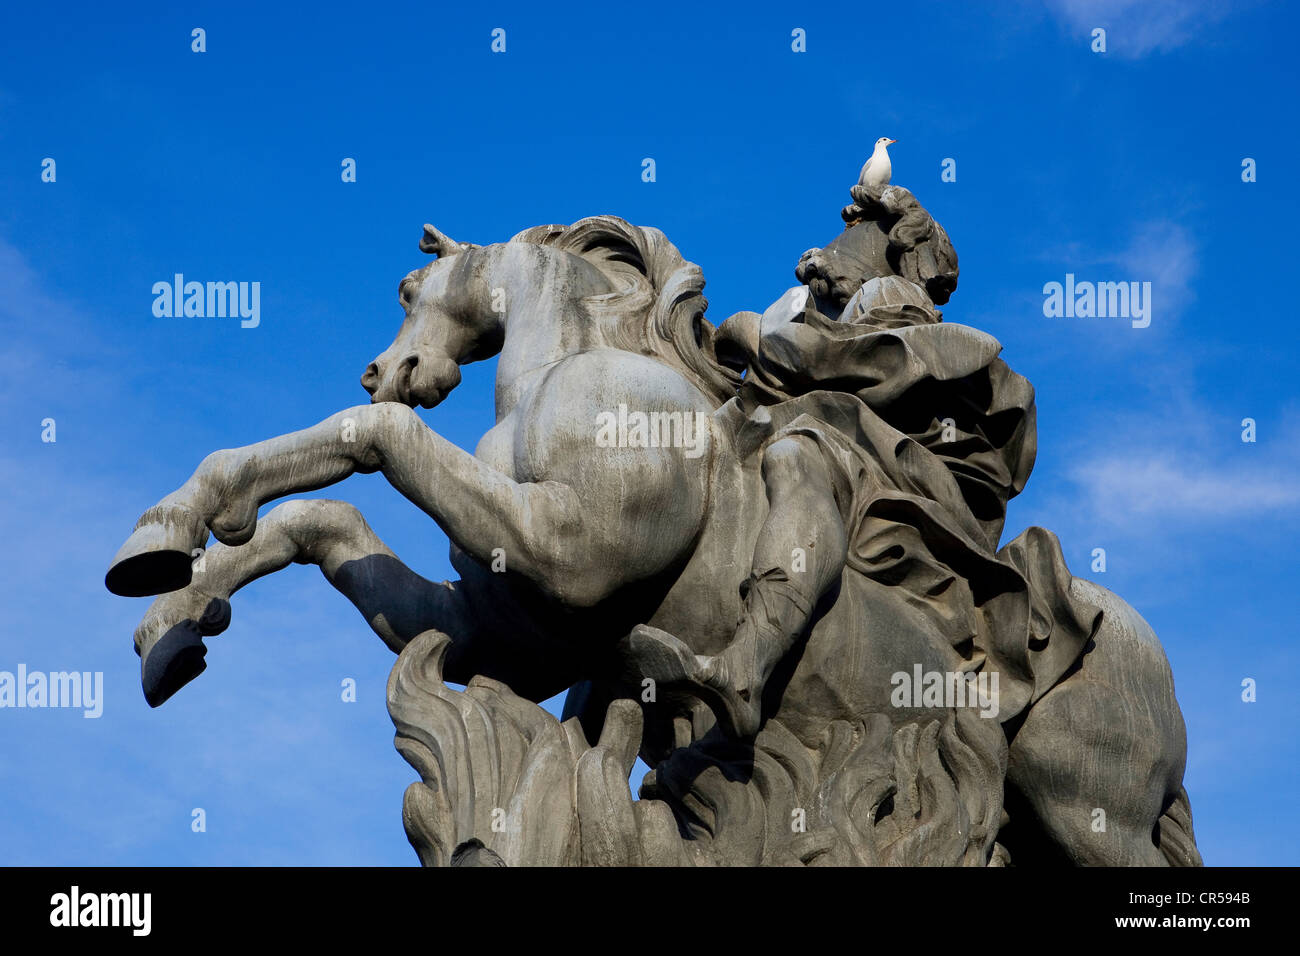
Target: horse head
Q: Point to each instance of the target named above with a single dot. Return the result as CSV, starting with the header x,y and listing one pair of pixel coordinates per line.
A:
x,y
448,323
599,283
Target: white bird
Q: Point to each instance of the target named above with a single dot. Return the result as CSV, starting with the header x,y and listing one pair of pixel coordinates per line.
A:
x,y
877,170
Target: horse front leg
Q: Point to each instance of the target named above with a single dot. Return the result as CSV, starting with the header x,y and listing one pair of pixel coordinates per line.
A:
x,y
397,603
224,494
539,525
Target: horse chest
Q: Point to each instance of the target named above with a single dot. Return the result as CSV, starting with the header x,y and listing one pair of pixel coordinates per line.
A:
x,y
497,447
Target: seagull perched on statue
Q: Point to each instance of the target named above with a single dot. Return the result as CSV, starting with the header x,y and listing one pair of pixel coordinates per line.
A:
x,y
876,172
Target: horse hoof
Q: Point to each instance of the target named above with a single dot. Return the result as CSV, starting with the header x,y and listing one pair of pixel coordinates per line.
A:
x,y
172,663
157,557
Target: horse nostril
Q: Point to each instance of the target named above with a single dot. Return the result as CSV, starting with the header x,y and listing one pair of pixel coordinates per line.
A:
x,y
402,377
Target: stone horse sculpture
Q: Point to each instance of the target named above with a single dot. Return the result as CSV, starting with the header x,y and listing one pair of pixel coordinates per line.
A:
x,y
762,557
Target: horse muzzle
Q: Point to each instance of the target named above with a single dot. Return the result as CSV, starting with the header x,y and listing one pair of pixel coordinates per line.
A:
x,y
412,381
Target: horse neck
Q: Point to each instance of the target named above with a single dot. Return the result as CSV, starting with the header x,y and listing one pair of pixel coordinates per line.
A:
x,y
544,321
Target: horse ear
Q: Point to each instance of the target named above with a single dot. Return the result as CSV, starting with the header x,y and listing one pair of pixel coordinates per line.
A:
x,y
436,243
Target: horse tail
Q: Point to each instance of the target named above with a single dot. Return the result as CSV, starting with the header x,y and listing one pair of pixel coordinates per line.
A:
x,y
1174,833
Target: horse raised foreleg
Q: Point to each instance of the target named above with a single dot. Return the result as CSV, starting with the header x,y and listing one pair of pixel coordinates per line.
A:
x,y
539,525
396,602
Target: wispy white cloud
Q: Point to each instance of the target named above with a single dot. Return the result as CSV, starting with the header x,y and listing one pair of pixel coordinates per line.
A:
x,y
1135,28
1168,484
1160,251
1184,462
50,347
1164,254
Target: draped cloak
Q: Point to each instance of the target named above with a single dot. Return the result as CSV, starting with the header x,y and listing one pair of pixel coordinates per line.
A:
x,y
927,433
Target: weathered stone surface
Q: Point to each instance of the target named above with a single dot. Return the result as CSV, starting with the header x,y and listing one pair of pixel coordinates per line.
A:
x,y
764,557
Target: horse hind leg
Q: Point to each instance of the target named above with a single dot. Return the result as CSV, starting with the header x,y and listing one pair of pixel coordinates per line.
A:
x,y
1095,771
396,602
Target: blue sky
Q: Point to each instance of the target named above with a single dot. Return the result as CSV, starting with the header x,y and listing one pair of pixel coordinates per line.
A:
x,y
225,165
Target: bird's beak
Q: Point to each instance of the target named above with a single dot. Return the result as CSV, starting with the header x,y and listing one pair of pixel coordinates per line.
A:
x,y
892,142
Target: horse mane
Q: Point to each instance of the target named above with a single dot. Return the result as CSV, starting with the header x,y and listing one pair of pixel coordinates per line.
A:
x,y
658,305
